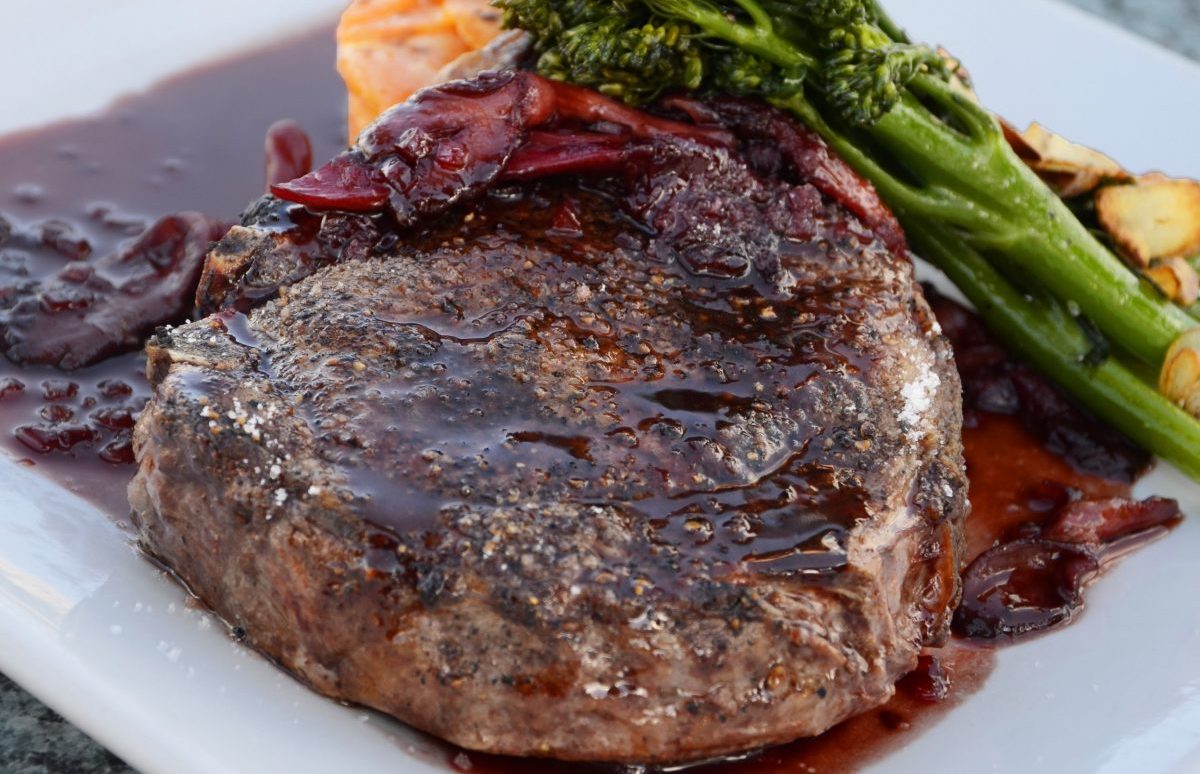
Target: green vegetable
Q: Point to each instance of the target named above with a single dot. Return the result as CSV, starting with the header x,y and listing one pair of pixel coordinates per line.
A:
x,y
894,111
1045,333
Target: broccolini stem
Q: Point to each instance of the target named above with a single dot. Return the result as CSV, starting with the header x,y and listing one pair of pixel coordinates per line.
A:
x,y
1044,333
976,184
1024,228
884,22
756,38
761,19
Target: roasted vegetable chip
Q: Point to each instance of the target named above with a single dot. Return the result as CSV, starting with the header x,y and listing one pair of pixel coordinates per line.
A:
x,y
1155,218
1176,279
1069,168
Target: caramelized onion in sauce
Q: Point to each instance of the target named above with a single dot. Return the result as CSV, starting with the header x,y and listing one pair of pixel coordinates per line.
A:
x,y
1050,491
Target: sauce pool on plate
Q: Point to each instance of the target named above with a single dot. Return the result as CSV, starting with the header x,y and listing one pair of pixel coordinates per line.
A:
x,y
77,191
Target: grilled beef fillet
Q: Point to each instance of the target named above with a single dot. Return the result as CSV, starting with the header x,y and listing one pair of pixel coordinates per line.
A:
x,y
654,468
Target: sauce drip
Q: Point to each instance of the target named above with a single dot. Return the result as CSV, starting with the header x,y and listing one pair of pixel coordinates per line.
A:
x,y
944,679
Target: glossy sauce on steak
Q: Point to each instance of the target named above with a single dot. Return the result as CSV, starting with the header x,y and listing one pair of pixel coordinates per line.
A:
x,y
656,469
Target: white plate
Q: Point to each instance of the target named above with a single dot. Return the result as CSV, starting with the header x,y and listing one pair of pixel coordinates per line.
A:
x,y
104,638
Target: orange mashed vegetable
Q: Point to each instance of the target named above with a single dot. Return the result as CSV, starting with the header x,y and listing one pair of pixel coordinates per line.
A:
x,y
388,49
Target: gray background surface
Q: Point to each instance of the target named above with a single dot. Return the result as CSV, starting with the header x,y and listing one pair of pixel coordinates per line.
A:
x,y
34,740
1173,23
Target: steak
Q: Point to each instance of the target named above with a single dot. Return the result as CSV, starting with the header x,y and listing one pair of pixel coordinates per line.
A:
x,y
655,466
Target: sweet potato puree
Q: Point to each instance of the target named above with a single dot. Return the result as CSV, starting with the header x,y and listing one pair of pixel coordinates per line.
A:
x,y
388,49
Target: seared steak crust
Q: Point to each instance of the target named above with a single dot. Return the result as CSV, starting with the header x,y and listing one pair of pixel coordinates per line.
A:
x,y
536,479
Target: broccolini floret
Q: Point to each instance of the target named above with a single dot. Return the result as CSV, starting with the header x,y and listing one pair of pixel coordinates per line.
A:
x,y
635,50
605,55
613,47
864,78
